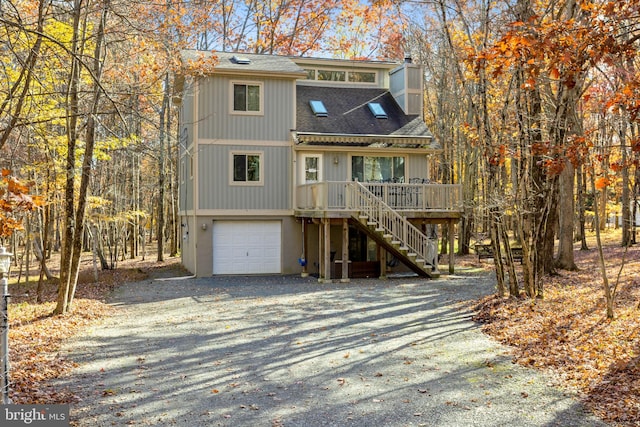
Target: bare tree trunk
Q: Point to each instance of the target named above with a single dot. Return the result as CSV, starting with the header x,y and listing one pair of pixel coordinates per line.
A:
x,y
626,194
581,181
90,138
608,295
66,274
494,214
38,247
74,216
565,259
161,172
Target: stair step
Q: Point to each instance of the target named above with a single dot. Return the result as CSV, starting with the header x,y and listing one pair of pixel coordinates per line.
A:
x,y
412,255
433,274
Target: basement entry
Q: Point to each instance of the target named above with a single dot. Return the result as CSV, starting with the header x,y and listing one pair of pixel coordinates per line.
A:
x,y
246,247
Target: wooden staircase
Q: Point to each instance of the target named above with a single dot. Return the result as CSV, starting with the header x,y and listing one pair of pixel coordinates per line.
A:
x,y
393,231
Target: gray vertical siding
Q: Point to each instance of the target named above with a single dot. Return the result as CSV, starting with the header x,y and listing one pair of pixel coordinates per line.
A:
x,y
185,150
217,122
339,172
216,193
414,78
417,167
397,81
186,185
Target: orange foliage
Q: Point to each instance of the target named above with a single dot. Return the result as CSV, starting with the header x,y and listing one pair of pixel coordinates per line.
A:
x,y
14,199
602,183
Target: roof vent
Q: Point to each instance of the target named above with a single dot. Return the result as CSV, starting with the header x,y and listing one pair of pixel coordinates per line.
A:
x,y
377,110
318,108
243,60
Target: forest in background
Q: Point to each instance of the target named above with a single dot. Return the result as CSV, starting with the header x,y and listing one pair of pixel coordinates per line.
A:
x,y
536,103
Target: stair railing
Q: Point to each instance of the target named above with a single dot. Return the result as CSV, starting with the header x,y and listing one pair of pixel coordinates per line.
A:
x,y
361,201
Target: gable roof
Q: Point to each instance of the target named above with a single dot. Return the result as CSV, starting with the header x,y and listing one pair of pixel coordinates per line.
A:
x,y
350,121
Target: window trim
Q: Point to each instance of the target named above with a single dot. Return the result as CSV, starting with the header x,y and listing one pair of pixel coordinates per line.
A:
x,y
232,181
232,109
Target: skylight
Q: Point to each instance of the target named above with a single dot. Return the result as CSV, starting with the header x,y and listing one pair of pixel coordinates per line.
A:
x,y
243,60
377,110
318,108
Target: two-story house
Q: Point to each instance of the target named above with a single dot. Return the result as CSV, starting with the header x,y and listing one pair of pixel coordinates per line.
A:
x,y
293,165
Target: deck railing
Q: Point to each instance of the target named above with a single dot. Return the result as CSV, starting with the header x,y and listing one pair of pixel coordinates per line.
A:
x,y
332,195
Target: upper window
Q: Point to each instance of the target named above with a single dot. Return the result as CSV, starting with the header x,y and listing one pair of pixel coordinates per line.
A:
x,y
247,168
328,75
247,97
331,75
362,77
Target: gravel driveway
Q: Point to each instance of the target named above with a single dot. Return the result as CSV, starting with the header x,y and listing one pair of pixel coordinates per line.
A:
x,y
288,351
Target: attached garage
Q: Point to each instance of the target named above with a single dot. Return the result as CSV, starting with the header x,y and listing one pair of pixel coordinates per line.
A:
x,y
247,247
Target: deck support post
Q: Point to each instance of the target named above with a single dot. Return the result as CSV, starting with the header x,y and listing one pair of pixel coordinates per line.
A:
x,y
326,264
305,254
320,251
345,251
382,256
451,225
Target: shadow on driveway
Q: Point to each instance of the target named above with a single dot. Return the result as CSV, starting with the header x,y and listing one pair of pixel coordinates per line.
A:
x,y
287,351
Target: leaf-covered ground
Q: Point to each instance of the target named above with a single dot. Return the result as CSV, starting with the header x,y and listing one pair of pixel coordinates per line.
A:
x,y
35,335
566,333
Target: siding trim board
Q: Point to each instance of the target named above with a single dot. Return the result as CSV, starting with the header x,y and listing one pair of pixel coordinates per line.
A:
x,y
245,212
233,142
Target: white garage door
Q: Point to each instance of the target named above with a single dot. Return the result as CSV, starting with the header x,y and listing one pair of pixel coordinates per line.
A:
x,y
246,247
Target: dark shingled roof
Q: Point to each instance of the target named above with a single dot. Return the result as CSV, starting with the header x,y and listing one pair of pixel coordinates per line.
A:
x,y
349,114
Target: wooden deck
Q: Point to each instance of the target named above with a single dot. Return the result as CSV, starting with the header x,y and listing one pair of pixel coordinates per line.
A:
x,y
394,207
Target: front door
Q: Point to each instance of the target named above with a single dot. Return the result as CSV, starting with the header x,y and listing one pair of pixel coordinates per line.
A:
x,y
310,168
311,173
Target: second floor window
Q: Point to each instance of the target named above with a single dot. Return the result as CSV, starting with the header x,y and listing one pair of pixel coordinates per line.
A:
x,y
246,97
246,168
